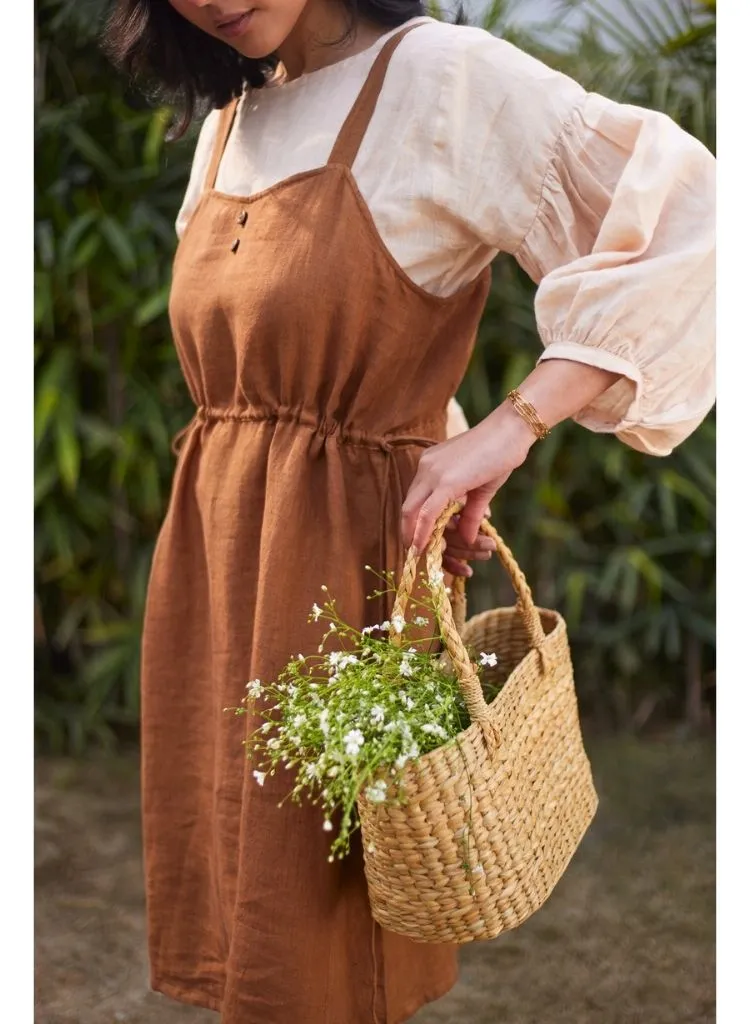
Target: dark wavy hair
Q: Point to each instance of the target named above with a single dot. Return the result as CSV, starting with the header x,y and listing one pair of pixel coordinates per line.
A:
x,y
150,41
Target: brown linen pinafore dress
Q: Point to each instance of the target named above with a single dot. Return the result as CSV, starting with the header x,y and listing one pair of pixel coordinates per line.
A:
x,y
320,372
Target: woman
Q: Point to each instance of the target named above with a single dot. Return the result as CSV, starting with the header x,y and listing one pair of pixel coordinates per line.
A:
x,y
344,207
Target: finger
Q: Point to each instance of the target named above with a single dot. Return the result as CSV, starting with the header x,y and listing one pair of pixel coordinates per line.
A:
x,y
457,546
471,554
456,567
454,538
428,516
472,515
419,492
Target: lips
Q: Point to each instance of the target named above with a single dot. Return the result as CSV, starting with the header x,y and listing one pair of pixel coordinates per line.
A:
x,y
235,25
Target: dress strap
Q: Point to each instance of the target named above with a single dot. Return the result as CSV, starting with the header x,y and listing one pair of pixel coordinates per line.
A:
x,y
226,120
350,137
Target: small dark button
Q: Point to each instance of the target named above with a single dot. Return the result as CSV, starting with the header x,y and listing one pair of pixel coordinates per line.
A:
x,y
242,218
235,245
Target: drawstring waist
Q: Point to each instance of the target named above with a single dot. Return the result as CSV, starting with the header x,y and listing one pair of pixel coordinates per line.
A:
x,y
329,428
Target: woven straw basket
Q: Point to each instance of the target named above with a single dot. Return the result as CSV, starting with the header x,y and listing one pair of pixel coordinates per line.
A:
x,y
487,825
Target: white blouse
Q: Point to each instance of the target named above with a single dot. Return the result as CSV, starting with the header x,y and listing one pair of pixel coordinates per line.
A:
x,y
476,148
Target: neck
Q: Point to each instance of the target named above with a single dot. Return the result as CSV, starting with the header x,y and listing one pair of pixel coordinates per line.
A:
x,y
314,43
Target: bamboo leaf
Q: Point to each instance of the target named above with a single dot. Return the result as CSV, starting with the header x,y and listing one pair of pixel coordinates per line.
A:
x,y
91,151
51,386
119,242
67,447
73,235
154,306
153,142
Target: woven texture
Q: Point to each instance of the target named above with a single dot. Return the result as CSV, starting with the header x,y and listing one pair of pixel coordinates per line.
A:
x,y
488,824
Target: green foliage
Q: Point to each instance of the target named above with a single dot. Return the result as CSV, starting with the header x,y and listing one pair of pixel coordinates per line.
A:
x,y
108,388
659,54
621,543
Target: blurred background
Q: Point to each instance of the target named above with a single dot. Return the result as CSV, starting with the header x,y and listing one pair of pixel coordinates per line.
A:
x,y
622,544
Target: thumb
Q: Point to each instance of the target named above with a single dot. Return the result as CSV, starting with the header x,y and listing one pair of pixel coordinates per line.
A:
x,y
472,514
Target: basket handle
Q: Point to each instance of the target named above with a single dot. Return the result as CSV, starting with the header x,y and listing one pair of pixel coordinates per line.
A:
x,y
468,680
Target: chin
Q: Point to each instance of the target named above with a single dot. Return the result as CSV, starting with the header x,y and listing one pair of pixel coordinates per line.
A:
x,y
256,48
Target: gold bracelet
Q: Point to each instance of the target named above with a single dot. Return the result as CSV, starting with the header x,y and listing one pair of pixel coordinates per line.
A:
x,y
528,414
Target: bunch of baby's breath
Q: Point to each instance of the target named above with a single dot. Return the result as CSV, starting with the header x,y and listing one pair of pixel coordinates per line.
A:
x,y
361,707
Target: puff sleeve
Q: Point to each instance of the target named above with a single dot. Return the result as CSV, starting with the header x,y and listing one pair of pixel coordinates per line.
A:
x,y
622,248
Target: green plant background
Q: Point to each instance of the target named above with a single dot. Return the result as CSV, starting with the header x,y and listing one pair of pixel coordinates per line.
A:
x,y
621,543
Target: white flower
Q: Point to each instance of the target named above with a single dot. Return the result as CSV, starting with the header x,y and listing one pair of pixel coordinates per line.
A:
x,y
298,721
367,630
327,826
300,657
405,668
408,704
377,713
323,721
255,688
412,750
334,658
421,621
385,625
401,761
376,793
398,622
435,730
316,612
348,659
436,577
488,659
260,777
353,742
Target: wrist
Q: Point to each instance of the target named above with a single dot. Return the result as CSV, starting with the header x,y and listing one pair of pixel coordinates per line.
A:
x,y
512,428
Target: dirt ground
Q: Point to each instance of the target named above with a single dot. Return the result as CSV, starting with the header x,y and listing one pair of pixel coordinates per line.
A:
x,y
626,938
